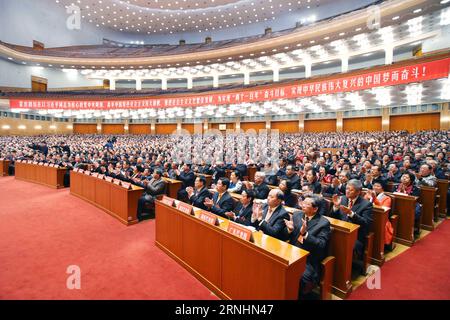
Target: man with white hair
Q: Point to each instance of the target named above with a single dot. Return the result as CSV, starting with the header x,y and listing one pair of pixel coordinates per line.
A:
x,y
259,186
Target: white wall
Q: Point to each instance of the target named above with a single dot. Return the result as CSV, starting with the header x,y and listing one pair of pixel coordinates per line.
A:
x,y
13,75
26,20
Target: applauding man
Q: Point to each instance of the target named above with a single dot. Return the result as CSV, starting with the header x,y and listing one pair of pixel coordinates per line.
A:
x,y
222,201
198,195
308,230
355,209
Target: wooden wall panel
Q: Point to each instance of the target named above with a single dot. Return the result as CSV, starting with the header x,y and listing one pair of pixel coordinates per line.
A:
x,y
415,122
191,127
139,128
165,128
108,128
362,124
85,128
253,125
327,125
285,126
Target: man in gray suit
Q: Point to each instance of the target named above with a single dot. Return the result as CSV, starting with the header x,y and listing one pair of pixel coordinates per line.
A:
x,y
153,188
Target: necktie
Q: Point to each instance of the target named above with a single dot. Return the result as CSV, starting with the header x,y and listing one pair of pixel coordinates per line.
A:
x,y
269,214
218,198
350,203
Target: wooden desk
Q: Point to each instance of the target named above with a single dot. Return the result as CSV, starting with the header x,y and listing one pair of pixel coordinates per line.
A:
x,y
378,227
232,268
404,206
172,187
428,200
48,176
208,178
4,165
111,198
343,238
442,190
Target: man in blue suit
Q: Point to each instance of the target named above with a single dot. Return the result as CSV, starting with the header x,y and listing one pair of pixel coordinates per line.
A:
x,y
222,202
310,231
270,218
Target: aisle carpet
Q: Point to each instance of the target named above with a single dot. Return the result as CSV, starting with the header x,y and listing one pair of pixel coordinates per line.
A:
x,y
44,231
421,272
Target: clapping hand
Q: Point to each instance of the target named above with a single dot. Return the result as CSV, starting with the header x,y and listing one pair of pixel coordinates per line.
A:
x,y
345,209
336,200
230,215
190,191
289,224
208,202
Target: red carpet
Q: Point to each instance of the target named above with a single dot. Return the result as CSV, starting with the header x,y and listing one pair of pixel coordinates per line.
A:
x,y
43,231
422,272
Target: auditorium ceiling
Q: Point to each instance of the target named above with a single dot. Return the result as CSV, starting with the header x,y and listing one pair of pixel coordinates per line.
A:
x,y
168,16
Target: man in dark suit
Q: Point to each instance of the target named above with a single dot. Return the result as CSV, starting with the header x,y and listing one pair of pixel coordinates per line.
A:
x,y
292,177
222,201
309,230
243,212
199,193
259,186
187,177
153,188
219,171
338,186
270,218
355,209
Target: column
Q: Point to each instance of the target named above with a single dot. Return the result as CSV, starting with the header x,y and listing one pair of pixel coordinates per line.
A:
x,y
385,118
445,116
152,127
70,125
99,126
246,77
215,80
163,83
237,122
339,121
178,124
344,64
389,55
112,84
126,127
138,84
268,124
308,67
276,74
189,82
301,122
205,124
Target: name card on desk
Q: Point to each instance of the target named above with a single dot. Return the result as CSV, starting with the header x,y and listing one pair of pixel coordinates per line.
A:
x,y
35,162
1,159
94,174
75,169
167,200
41,163
240,231
46,164
185,208
29,161
100,176
116,181
88,173
51,165
210,218
109,179
126,185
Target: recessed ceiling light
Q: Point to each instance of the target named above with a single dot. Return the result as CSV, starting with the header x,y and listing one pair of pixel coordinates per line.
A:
x,y
417,10
395,18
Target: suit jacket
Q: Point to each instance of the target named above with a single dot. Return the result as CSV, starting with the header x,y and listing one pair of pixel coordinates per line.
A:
x,y
155,187
218,172
271,180
316,242
275,226
330,191
198,198
243,214
188,179
225,204
294,180
261,191
363,215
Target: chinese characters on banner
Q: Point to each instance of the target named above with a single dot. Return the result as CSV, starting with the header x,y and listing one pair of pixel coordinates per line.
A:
x,y
367,80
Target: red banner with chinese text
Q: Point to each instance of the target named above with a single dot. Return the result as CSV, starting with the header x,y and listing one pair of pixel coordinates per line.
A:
x,y
388,77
